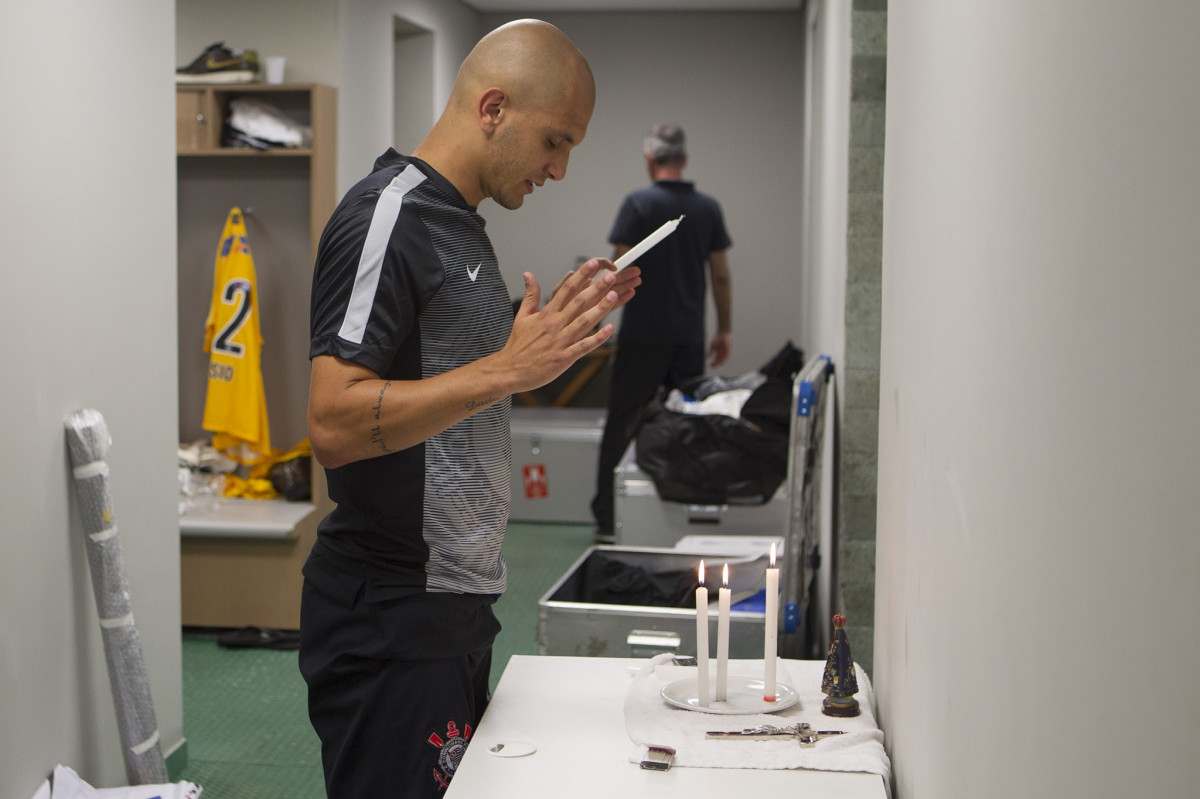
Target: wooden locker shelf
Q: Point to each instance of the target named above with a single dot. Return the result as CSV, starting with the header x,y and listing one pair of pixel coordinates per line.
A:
x,y
250,576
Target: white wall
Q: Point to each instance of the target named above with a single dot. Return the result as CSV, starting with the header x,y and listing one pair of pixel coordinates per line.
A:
x,y
366,35
302,31
826,97
413,105
825,143
733,81
87,217
1038,545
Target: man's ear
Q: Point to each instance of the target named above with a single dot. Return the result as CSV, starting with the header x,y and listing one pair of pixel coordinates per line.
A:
x,y
493,104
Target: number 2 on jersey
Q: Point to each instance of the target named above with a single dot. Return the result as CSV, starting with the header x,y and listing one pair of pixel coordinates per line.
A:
x,y
236,293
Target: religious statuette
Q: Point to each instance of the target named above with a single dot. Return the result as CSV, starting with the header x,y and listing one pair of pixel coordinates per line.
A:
x,y
839,682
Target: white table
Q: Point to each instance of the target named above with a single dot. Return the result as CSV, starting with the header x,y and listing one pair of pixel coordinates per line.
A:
x,y
572,710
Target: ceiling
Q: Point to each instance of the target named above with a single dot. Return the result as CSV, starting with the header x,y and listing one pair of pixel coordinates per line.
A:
x,y
635,5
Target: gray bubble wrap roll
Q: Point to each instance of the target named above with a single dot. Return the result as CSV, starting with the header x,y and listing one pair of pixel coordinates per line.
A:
x,y
88,441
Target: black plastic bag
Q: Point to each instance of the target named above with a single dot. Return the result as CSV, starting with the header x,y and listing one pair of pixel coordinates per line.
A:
x,y
715,459
610,580
290,478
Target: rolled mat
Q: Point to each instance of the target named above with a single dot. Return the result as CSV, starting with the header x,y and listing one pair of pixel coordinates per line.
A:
x,y
88,441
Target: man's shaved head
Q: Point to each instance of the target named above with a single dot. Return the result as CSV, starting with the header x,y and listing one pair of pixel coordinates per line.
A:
x,y
531,60
522,101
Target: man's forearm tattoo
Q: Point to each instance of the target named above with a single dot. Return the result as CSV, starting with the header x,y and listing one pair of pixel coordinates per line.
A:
x,y
377,430
474,405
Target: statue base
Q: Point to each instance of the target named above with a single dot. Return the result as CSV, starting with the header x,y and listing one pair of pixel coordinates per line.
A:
x,y
843,706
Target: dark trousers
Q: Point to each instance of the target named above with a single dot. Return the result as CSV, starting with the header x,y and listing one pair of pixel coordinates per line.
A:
x,y
639,370
390,727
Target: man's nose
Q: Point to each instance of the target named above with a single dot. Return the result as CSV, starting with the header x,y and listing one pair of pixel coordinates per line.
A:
x,y
556,169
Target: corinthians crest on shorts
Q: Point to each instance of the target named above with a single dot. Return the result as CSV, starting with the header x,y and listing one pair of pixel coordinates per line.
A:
x,y
450,752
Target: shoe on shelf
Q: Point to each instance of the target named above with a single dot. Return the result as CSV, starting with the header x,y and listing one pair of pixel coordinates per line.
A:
x,y
219,64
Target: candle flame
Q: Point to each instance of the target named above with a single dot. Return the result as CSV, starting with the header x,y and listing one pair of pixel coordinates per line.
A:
x,y
772,554
725,576
701,572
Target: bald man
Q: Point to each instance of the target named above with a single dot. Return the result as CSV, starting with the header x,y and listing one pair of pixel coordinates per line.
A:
x,y
415,355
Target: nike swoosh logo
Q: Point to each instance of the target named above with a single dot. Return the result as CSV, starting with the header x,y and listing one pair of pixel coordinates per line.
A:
x,y
213,63
474,273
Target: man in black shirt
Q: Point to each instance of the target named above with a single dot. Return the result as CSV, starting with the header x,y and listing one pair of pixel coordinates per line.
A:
x,y
661,340
415,355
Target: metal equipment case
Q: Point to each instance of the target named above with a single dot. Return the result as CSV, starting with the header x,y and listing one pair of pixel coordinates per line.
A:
x,y
570,624
555,451
642,518
796,513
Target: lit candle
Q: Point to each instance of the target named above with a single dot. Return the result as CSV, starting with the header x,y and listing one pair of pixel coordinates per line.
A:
x,y
771,633
702,640
654,238
723,636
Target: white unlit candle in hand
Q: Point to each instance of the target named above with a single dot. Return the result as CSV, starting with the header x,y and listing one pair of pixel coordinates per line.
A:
x,y
723,637
654,238
771,632
702,640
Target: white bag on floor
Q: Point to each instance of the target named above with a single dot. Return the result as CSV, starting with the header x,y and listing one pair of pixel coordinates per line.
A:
x,y
68,785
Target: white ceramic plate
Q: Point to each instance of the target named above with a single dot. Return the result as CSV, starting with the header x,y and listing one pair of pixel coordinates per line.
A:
x,y
743,695
512,749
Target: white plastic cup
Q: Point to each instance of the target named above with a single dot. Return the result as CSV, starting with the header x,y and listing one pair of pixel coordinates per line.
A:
x,y
275,65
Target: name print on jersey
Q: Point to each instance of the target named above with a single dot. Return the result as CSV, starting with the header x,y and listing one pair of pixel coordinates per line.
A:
x,y
221,371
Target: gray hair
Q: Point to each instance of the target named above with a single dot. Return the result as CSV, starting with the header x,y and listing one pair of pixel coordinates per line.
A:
x,y
665,144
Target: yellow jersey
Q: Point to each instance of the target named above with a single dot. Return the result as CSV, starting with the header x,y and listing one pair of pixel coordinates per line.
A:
x,y
235,408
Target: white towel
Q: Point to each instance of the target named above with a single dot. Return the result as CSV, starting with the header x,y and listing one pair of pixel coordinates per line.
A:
x,y
649,720
69,785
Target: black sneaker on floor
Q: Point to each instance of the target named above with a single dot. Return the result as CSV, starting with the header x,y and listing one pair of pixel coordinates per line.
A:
x,y
219,64
602,536
259,638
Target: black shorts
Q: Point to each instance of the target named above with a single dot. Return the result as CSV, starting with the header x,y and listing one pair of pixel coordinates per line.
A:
x,y
396,686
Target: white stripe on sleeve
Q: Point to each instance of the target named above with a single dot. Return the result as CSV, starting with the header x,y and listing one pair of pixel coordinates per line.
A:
x,y
366,279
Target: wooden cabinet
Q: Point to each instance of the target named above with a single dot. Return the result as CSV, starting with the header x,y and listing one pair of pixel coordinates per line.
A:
x,y
192,121
287,195
200,112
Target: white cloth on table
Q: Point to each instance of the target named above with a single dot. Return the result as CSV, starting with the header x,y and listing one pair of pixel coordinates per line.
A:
x,y
649,720
67,784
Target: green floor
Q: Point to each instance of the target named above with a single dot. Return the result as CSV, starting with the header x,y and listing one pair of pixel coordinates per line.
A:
x,y
244,715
